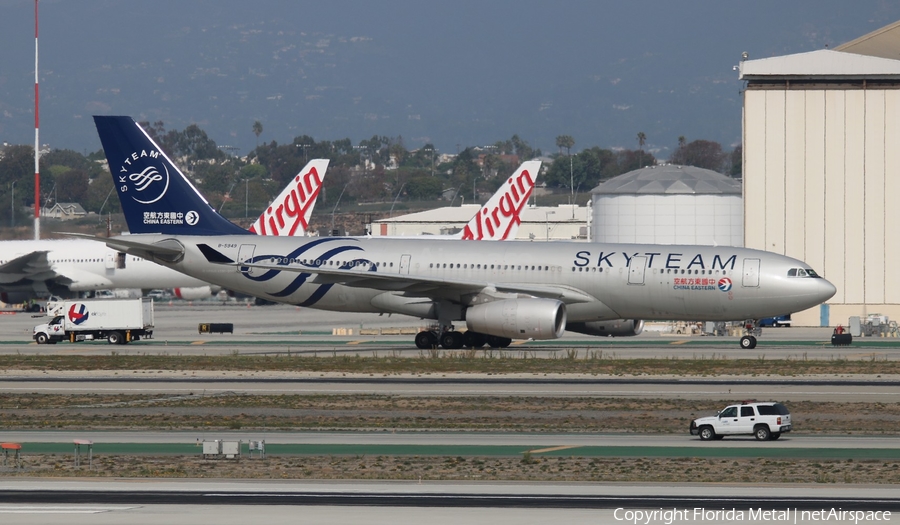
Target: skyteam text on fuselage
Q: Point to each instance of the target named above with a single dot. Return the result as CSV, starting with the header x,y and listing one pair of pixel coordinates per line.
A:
x,y
503,291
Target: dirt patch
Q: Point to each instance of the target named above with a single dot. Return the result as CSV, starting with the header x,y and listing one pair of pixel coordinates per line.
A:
x,y
376,412
427,468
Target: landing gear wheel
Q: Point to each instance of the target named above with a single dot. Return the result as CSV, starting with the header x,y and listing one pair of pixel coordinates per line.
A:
x,y
748,342
707,433
498,342
762,433
425,340
452,340
115,338
473,339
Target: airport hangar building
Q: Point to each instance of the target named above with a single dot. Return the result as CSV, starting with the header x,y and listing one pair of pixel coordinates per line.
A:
x,y
821,169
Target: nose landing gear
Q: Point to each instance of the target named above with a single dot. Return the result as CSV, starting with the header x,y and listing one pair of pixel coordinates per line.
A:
x,y
751,331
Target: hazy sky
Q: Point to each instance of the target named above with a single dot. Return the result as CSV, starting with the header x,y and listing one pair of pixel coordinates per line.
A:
x,y
456,72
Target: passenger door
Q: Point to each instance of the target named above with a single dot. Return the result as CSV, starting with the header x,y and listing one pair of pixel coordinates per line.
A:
x,y
404,264
746,420
245,253
751,273
728,421
636,270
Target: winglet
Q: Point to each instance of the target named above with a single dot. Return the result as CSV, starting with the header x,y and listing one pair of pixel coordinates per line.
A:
x,y
499,218
289,213
156,197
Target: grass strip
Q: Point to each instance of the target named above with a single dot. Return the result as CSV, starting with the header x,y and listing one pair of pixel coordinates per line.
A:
x,y
582,361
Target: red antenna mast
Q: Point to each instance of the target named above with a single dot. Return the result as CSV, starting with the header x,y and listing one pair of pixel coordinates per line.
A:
x,y
37,142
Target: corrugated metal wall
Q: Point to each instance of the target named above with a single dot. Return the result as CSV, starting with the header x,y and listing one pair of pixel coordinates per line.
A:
x,y
821,183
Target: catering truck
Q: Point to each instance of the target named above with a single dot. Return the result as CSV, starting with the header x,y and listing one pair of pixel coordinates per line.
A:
x,y
119,321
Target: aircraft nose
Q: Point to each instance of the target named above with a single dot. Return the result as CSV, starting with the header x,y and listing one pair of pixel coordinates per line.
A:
x,y
825,290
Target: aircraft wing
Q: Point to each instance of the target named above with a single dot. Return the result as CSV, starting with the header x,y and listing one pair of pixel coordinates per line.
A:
x,y
417,285
33,266
167,250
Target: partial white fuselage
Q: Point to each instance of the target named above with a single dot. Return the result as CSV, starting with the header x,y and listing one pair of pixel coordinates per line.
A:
x,y
46,267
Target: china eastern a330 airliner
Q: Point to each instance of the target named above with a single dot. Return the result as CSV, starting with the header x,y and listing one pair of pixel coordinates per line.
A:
x,y
500,290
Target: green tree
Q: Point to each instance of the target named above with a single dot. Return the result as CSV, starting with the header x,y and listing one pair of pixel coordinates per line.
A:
x,y
565,141
72,186
642,139
17,165
702,154
257,130
253,171
737,162
424,188
100,197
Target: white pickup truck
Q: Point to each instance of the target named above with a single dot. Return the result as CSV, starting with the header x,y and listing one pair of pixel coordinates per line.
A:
x,y
763,420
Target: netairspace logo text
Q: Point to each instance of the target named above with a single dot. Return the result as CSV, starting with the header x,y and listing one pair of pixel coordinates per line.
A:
x,y
787,515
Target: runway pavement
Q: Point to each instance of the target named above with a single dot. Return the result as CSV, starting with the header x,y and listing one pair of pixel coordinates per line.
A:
x,y
77,502
282,329
426,438
246,383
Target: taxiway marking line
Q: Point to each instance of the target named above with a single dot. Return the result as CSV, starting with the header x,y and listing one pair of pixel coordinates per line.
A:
x,y
553,449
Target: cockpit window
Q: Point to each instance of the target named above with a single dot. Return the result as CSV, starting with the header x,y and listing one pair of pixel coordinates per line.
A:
x,y
802,272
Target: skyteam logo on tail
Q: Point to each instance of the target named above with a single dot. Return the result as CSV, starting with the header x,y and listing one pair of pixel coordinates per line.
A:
x,y
78,313
144,183
156,197
145,178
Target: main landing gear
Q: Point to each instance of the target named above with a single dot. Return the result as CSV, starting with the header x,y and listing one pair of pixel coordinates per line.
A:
x,y
751,332
450,339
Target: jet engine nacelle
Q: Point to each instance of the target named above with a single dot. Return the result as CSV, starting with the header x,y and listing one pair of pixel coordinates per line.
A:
x,y
198,292
617,328
519,318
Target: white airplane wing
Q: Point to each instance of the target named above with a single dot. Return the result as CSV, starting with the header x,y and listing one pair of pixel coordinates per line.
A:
x,y
416,285
32,266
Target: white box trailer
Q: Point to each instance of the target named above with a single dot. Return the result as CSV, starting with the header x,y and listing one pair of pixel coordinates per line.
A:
x,y
119,321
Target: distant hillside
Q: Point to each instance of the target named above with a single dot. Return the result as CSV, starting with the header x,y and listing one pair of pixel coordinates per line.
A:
x,y
455,73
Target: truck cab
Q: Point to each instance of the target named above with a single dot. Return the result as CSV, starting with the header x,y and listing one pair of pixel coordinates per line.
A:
x,y
50,332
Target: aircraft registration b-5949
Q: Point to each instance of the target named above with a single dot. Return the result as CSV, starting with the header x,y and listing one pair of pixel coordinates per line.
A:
x,y
501,290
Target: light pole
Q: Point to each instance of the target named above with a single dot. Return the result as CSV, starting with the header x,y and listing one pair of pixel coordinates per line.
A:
x,y
547,215
12,206
395,199
432,159
336,205
571,180
305,153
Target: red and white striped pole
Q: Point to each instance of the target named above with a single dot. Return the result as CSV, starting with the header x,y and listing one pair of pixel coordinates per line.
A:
x,y
37,142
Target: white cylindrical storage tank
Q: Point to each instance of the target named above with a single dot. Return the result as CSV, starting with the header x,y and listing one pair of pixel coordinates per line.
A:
x,y
669,205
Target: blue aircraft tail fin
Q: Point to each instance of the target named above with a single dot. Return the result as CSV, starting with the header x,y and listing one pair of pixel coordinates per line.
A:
x,y
156,197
